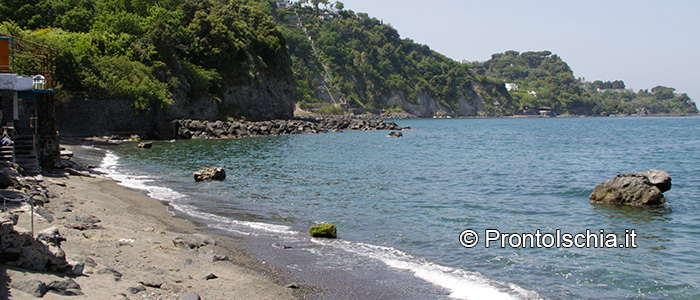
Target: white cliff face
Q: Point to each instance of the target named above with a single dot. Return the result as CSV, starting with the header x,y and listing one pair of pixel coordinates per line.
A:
x,y
480,100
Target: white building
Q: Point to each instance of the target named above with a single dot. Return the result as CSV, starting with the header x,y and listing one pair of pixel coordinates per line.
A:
x,y
284,4
511,86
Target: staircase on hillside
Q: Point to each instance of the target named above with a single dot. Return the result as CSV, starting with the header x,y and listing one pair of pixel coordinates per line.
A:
x,y
25,154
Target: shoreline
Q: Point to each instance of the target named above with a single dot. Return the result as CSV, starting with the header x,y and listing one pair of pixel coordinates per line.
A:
x,y
135,238
300,261
293,262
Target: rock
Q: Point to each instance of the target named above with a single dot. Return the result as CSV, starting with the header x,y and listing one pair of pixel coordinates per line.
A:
x,y
117,275
75,269
635,189
82,223
193,241
43,212
207,174
212,256
395,134
210,276
187,261
50,236
151,282
292,286
323,230
66,287
135,289
32,286
86,261
189,296
8,178
170,287
658,178
145,145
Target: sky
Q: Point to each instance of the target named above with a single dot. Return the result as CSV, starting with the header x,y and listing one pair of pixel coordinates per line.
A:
x,y
644,43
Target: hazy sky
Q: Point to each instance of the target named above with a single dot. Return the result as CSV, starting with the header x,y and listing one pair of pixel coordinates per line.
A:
x,y
644,43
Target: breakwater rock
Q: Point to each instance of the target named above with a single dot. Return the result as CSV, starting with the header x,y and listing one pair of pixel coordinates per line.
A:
x,y
196,129
636,189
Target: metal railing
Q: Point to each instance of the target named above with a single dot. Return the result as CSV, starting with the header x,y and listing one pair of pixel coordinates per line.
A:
x,y
29,58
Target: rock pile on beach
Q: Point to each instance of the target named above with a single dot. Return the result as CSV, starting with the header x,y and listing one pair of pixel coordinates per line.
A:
x,y
635,189
196,129
43,253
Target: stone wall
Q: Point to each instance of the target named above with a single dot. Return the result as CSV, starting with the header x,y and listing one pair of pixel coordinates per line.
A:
x,y
97,117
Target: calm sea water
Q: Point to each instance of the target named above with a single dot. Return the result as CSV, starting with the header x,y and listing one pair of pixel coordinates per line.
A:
x,y
404,201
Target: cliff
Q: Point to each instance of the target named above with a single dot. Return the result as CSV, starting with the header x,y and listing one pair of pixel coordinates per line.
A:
x,y
365,64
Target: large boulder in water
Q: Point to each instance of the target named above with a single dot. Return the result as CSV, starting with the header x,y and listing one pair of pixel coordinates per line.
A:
x,y
208,174
635,189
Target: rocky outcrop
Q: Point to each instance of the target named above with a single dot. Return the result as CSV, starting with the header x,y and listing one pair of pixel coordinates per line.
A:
x,y
395,134
41,254
481,98
196,129
208,174
635,189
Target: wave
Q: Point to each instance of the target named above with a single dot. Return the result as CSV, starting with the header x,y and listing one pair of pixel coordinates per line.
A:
x,y
461,284
111,168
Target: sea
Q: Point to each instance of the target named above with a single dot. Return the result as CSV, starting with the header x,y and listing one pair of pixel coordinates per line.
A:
x,y
450,211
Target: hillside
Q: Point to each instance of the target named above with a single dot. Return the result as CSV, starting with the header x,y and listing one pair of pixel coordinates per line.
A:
x,y
202,59
339,56
545,80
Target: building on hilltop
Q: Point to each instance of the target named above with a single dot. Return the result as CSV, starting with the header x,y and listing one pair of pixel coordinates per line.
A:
x,y
599,90
326,17
27,106
512,87
284,4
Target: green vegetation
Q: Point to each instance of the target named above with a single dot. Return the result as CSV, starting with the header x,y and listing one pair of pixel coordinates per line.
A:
x,y
145,50
330,109
556,87
367,62
149,52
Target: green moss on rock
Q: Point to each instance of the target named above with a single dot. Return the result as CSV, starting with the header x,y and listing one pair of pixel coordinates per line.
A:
x,y
323,230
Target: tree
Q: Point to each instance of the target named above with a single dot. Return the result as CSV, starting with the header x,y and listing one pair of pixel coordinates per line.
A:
x,y
339,5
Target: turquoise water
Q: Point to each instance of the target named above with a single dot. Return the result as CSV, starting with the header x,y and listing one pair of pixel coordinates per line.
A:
x,y
404,201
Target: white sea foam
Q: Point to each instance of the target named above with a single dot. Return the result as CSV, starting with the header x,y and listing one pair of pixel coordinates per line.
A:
x,y
234,225
462,284
110,166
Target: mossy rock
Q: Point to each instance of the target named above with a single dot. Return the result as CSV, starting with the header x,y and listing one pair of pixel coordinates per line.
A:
x,y
323,230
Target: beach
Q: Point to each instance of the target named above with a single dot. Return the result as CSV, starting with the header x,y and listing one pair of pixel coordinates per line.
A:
x,y
129,253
